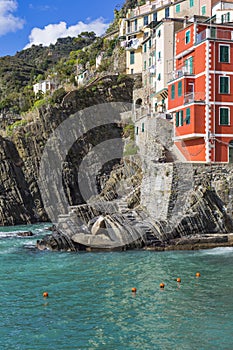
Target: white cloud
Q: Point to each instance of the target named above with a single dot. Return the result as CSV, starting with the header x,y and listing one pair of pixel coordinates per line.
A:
x,y
8,22
50,33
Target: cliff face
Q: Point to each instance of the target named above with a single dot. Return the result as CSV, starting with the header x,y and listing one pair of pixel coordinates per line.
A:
x,y
20,199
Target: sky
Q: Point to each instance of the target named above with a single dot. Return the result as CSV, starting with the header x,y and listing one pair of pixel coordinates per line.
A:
x,y
27,22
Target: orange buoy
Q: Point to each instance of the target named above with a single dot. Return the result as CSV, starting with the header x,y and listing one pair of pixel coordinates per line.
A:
x,y
178,280
198,274
45,294
162,285
134,290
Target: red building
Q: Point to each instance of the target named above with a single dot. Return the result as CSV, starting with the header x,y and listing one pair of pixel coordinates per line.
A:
x,y
200,94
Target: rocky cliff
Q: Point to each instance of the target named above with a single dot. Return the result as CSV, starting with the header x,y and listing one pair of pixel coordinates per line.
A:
x,y
20,155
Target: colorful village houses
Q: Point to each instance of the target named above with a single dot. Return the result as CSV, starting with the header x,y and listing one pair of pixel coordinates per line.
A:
x,y
201,92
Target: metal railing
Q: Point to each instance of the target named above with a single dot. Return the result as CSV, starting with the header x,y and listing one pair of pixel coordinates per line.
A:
x,y
214,33
194,97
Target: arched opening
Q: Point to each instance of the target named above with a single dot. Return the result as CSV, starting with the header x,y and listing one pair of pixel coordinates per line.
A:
x,y
231,151
138,103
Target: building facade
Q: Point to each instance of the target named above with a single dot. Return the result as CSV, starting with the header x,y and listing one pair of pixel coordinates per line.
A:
x,y
200,93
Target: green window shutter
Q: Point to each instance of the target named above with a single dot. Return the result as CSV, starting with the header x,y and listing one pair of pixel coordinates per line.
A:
x,y
150,44
143,127
150,61
132,57
203,10
224,85
137,130
224,116
228,16
191,3
144,65
180,88
159,76
224,53
178,8
173,92
177,119
181,118
136,25
191,65
187,116
145,48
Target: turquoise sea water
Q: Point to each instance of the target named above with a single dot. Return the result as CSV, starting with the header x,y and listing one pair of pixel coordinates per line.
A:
x,y
90,304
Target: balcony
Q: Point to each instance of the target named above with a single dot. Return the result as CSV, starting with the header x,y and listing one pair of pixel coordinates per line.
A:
x,y
133,29
183,71
214,33
132,44
197,97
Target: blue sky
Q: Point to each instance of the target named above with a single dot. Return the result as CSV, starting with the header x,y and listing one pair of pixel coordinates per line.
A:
x,y
27,22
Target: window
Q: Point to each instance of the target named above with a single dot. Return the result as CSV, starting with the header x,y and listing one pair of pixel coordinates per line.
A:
x,y
136,25
159,55
179,118
167,12
191,3
173,92
150,44
225,17
187,37
145,20
144,48
180,88
159,33
155,16
137,130
224,85
224,53
178,8
189,65
150,61
224,116
132,57
203,10
143,127
144,65
159,76
187,116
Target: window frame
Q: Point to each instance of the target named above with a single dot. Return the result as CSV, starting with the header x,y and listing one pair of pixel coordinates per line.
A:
x,y
177,9
145,20
173,92
180,88
188,116
191,3
132,57
187,37
203,10
228,115
219,56
228,88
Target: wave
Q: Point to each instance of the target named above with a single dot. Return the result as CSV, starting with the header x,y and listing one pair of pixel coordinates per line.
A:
x,y
218,251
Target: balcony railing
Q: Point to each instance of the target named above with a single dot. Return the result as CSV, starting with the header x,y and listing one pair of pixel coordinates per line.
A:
x,y
214,33
133,29
181,72
194,97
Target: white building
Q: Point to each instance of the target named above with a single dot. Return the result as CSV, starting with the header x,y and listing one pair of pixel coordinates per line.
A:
x,y
44,86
